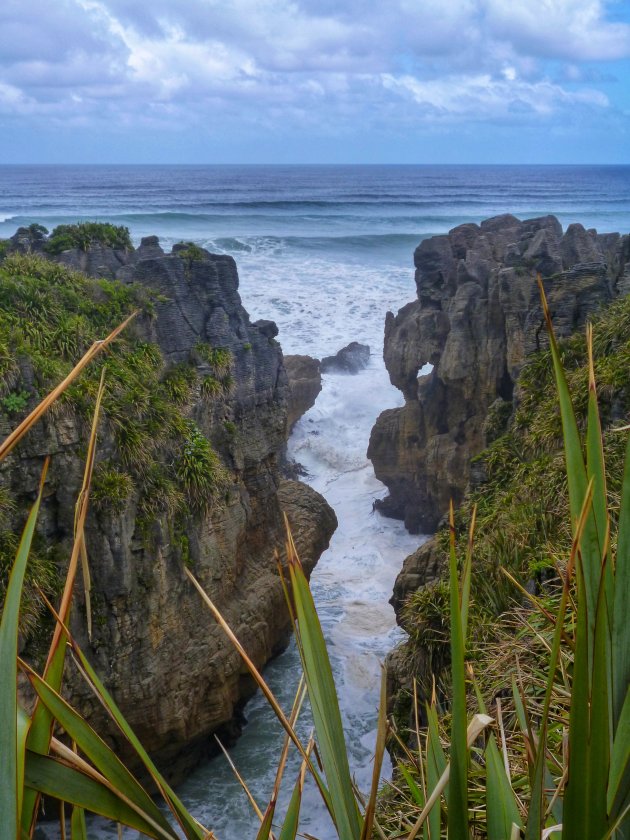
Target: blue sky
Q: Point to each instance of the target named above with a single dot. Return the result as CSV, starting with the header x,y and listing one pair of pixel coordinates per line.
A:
x,y
246,81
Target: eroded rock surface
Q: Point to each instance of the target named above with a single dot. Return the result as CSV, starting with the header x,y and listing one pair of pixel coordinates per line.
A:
x,y
350,359
305,383
476,317
157,647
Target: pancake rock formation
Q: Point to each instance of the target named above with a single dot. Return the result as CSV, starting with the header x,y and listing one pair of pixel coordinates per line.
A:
x,y
476,317
169,666
305,383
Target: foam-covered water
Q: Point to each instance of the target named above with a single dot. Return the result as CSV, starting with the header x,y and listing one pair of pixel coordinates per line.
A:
x,y
325,252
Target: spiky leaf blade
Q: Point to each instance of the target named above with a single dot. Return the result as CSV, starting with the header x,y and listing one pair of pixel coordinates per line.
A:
x,y
501,808
78,828
55,778
324,706
620,644
458,783
97,751
10,767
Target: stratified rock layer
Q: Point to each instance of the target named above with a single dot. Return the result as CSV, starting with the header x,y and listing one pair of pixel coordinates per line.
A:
x,y
477,316
168,665
305,383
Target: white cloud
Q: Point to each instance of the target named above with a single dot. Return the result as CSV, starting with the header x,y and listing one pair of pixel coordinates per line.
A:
x,y
483,97
576,30
304,60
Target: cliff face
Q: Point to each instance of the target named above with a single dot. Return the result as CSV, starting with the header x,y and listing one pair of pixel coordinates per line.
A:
x,y
305,383
169,667
477,317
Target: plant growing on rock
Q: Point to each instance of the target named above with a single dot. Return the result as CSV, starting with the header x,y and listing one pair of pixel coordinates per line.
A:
x,y
83,235
198,468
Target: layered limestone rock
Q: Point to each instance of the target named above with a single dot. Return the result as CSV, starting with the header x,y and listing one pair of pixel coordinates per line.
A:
x,y
305,383
477,316
168,665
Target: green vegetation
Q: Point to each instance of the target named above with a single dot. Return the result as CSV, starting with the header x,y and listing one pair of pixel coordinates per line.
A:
x,y
49,317
84,234
210,387
198,468
219,358
189,251
111,489
15,402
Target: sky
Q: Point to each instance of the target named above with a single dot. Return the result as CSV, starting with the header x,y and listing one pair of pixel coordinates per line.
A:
x,y
315,81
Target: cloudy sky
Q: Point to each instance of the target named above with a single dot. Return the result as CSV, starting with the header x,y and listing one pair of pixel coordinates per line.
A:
x,y
179,81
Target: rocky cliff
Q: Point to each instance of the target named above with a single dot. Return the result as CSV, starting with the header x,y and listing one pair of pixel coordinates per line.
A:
x,y
305,383
476,317
187,473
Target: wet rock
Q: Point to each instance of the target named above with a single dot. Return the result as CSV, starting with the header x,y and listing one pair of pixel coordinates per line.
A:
x,y
305,383
350,359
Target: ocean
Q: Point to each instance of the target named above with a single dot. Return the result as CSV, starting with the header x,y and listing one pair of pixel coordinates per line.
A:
x,y
325,251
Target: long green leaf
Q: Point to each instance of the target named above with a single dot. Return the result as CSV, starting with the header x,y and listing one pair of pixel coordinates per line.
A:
x,y
436,765
10,766
23,725
78,827
600,734
458,784
292,817
291,821
187,822
620,643
324,704
501,808
414,790
265,827
54,778
467,575
576,476
620,761
103,758
595,467
575,810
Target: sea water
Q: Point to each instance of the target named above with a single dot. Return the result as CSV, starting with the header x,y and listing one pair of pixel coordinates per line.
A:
x,y
325,252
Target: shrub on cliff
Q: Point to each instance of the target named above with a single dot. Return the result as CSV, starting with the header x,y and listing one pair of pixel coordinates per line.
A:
x,y
84,234
49,317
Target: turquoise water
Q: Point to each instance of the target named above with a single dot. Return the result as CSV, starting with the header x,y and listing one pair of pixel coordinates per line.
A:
x,y
325,252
